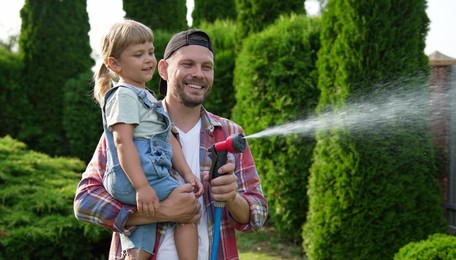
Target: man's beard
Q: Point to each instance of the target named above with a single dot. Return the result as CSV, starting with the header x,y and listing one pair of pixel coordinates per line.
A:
x,y
191,102
187,100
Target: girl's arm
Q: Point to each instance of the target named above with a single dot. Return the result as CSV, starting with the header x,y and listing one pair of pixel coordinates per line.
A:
x,y
181,166
146,199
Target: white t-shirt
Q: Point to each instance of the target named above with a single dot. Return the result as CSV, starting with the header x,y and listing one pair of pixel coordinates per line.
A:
x,y
190,146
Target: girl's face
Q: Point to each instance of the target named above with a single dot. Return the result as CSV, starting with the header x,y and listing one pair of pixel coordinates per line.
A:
x,y
136,64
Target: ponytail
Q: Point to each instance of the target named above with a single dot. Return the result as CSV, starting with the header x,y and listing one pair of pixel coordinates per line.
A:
x,y
102,81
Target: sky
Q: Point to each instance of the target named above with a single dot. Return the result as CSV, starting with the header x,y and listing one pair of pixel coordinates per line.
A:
x,y
102,13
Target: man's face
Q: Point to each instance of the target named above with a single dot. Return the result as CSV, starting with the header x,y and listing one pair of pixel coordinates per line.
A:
x,y
190,74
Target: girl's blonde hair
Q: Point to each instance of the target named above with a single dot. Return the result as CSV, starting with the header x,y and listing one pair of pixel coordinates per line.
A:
x,y
113,43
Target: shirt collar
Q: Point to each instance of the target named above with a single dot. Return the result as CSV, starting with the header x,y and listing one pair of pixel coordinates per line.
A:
x,y
209,122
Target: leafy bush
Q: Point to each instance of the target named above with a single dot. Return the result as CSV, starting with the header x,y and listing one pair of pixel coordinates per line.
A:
x,y
275,80
54,47
371,192
81,117
436,246
221,99
36,205
161,39
212,10
163,15
12,98
255,15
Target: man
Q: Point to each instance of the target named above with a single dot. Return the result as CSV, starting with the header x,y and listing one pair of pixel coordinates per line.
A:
x,y
187,73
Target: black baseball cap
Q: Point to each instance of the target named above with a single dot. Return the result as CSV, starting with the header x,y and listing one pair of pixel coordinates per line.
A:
x,y
181,39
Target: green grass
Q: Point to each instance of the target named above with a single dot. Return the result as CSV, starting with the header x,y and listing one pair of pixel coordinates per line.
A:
x,y
266,245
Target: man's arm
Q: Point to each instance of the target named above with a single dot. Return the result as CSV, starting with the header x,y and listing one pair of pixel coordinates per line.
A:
x,y
92,202
95,205
180,206
240,188
249,191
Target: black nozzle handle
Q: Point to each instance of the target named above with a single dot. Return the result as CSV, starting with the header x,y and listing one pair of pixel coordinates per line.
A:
x,y
218,160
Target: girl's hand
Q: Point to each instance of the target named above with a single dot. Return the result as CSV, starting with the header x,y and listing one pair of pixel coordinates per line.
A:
x,y
147,201
197,185
199,188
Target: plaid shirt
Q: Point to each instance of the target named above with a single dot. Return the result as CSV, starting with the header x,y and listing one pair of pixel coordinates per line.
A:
x,y
95,205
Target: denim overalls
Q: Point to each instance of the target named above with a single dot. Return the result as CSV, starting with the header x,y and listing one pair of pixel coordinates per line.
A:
x,y
155,156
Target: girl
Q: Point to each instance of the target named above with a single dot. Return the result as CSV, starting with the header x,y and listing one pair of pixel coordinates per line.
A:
x,y
141,146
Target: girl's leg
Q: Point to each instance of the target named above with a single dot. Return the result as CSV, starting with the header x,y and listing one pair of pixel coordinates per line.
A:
x,y
186,239
137,254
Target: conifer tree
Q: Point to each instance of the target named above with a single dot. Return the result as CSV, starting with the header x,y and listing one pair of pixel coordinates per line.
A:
x,y
372,192
211,10
163,15
254,15
54,46
11,94
276,83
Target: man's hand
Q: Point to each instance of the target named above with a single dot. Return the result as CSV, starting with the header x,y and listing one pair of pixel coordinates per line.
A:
x,y
180,206
225,188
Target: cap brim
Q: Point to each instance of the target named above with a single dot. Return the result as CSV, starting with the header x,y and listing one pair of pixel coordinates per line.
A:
x,y
163,87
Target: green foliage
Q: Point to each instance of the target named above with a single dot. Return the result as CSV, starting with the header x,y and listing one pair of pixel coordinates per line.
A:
x,y
436,246
370,193
11,94
161,39
212,10
255,15
223,35
81,117
36,204
163,15
275,80
54,45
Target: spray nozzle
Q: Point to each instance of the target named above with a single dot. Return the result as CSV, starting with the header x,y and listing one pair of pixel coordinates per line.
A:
x,y
233,144
219,152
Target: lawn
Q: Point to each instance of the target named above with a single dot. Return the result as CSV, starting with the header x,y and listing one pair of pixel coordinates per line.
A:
x,y
266,245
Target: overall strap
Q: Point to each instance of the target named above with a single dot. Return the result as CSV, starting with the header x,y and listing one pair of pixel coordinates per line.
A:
x,y
112,152
142,95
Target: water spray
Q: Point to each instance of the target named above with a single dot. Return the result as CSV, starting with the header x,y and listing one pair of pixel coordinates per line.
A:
x,y
367,113
219,155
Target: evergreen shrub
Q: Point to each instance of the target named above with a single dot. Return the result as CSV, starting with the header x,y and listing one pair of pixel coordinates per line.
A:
x,y
255,15
221,99
12,99
211,10
276,82
54,47
436,246
81,117
161,39
36,205
158,15
372,191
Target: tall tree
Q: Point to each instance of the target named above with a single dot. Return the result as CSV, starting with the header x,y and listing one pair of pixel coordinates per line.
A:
x,y
254,15
211,10
276,82
11,94
164,15
372,192
54,45
223,37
